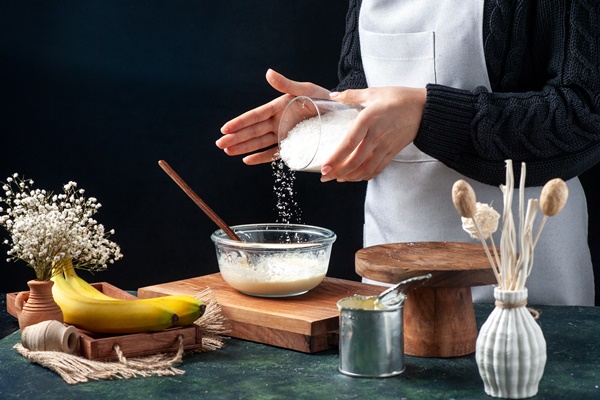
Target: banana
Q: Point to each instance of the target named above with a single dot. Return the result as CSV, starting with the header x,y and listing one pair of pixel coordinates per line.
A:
x,y
81,286
187,308
110,316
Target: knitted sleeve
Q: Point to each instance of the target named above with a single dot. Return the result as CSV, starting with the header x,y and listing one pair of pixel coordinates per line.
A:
x,y
543,59
350,70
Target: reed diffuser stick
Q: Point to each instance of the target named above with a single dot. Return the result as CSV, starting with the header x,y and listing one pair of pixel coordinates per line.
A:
x,y
515,263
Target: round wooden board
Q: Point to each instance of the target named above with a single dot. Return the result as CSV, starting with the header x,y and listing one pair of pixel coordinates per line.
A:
x,y
452,264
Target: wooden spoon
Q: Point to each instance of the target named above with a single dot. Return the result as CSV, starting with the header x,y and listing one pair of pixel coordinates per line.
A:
x,y
199,202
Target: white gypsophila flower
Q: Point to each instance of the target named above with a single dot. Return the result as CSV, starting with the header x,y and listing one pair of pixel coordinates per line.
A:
x,y
47,229
487,219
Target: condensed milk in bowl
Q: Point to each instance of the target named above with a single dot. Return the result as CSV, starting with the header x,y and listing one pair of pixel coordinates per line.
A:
x,y
274,259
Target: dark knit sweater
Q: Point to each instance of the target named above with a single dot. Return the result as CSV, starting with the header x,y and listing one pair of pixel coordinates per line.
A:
x,y
543,62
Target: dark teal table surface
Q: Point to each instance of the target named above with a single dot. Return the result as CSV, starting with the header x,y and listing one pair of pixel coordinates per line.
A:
x,y
247,370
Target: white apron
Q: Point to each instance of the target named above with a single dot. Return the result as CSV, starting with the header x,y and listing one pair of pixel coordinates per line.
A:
x,y
416,42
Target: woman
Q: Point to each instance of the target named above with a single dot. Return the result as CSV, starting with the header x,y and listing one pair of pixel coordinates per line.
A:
x,y
451,90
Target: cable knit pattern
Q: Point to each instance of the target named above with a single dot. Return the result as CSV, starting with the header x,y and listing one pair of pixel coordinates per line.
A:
x,y
350,70
543,61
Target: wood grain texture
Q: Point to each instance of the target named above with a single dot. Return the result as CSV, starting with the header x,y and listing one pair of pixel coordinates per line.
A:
x,y
452,264
439,320
306,323
98,347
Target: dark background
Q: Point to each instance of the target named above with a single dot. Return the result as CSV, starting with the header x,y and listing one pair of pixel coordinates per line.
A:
x,y
98,91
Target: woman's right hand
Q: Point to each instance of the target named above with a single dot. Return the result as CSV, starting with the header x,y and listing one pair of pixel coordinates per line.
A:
x,y
256,129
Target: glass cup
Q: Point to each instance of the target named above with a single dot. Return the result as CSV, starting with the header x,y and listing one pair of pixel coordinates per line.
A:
x,y
311,129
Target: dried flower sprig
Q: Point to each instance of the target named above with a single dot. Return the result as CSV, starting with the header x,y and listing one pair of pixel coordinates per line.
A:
x,y
516,245
552,200
465,202
47,230
487,220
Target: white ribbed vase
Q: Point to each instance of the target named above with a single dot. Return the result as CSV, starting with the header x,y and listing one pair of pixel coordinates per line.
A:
x,y
511,349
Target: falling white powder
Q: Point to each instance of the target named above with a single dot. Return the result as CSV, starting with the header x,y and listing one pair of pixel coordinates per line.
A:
x,y
287,208
312,141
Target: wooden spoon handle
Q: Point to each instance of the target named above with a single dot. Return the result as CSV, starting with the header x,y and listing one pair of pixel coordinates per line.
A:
x,y
199,202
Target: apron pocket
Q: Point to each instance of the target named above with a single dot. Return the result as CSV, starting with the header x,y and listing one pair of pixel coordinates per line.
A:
x,y
400,59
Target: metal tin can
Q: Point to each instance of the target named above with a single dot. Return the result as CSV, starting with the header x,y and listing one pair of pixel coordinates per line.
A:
x,y
371,342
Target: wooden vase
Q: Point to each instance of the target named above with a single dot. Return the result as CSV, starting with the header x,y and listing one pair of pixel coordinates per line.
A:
x,y
37,305
511,349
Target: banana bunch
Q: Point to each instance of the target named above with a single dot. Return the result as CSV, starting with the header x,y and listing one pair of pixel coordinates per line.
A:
x,y
88,308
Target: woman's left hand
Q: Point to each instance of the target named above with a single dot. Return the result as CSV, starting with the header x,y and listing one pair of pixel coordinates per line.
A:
x,y
389,122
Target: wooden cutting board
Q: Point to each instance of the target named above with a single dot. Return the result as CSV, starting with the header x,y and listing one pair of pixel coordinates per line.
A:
x,y
308,323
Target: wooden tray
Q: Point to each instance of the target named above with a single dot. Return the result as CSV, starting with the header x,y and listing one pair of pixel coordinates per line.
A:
x,y
95,346
308,323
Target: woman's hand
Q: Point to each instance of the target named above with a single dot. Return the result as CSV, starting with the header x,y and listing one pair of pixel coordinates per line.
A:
x,y
389,122
257,129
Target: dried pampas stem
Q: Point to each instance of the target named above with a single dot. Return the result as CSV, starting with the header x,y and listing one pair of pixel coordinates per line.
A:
x,y
465,202
509,234
552,200
524,263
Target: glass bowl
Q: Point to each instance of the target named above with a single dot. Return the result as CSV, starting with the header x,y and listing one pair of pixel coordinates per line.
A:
x,y
273,259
